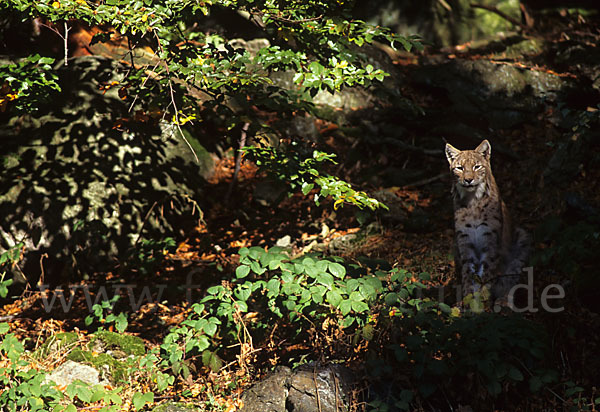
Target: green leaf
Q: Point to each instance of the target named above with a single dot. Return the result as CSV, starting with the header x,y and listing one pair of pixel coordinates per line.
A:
x,y
345,306
316,68
273,286
348,321
307,187
212,360
325,279
141,399
334,297
97,394
494,388
255,252
242,271
242,293
427,389
256,268
337,270
356,296
391,299
515,374
351,285
367,291
360,306
4,327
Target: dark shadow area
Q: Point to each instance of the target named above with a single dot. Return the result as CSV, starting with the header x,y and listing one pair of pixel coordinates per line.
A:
x,y
83,182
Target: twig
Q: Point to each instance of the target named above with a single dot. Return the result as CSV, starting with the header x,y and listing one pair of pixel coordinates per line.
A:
x,y
175,104
144,222
130,52
501,14
445,5
337,395
238,161
284,20
528,18
406,146
426,181
142,86
65,38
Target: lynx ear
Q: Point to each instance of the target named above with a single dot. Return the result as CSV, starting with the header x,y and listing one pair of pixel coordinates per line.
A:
x,y
451,152
484,149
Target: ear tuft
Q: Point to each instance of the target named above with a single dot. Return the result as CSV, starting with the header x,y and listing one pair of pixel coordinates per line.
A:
x,y
451,152
484,149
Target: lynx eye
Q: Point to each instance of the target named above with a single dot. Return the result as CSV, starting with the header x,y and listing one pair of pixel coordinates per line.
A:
x,y
458,168
477,167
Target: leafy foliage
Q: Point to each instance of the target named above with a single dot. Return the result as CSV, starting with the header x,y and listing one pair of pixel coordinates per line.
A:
x,y
302,172
27,84
103,313
22,388
318,42
429,341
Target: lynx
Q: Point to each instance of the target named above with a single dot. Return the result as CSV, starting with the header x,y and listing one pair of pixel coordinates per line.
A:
x,y
489,252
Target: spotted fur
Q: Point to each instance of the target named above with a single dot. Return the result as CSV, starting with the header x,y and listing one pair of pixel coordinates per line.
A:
x,y
488,250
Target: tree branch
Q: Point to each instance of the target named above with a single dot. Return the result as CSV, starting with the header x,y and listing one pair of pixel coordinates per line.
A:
x,y
172,93
501,14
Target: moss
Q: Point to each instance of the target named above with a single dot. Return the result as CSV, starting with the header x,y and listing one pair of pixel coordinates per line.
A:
x,y
130,345
111,345
101,362
525,48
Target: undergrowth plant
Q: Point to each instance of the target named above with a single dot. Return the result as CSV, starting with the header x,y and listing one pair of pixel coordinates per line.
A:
x,y
8,258
407,335
414,347
102,313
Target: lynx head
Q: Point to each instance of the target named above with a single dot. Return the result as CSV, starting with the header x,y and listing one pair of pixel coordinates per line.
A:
x,y
471,168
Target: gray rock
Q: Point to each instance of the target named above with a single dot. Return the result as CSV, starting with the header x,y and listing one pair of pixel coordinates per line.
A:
x,y
503,94
285,241
308,389
70,371
270,394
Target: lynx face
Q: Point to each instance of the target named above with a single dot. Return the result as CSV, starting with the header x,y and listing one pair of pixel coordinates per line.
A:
x,y
470,168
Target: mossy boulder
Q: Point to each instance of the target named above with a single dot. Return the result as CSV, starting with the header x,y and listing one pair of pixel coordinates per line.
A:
x,y
109,367
110,341
110,353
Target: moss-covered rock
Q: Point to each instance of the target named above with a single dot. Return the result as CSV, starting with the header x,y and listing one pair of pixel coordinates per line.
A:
x,y
110,368
110,353
110,341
